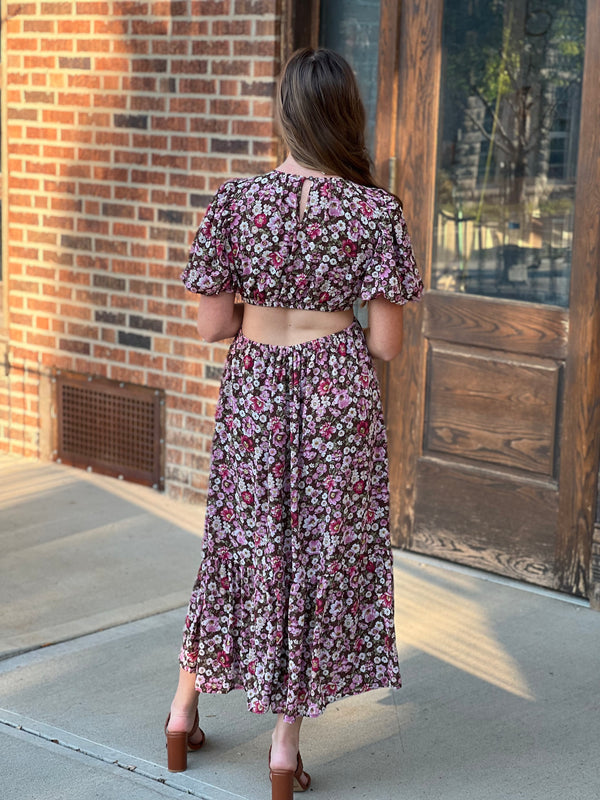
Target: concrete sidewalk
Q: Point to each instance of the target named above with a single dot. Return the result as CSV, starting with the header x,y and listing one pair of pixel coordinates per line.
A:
x,y
501,692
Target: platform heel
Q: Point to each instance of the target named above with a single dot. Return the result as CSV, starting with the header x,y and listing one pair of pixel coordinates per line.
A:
x,y
282,784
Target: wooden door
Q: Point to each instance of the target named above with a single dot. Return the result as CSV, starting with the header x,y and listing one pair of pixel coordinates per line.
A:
x,y
493,408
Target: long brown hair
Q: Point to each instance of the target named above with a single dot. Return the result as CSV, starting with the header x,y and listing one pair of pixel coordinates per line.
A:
x,y
321,115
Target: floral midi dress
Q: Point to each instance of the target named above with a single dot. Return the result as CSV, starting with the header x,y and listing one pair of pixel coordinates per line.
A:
x,y
294,596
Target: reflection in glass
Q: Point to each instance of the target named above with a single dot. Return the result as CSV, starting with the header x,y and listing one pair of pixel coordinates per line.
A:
x,y
351,28
511,91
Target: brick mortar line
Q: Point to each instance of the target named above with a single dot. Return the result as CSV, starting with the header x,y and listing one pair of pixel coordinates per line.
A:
x,y
155,170
31,123
158,37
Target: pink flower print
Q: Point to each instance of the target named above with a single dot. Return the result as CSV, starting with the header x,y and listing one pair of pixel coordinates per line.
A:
x,y
354,228
364,379
248,498
370,515
343,400
276,259
223,658
227,514
387,600
362,427
370,567
349,248
225,583
335,208
259,297
313,230
359,644
248,361
342,348
257,403
369,614
252,668
223,471
323,297
248,444
212,624
324,386
294,518
277,513
335,495
278,469
327,430
335,525
319,605
366,210
359,487
315,664
260,220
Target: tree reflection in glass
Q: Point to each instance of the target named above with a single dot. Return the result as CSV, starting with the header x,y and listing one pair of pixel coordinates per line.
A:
x,y
511,89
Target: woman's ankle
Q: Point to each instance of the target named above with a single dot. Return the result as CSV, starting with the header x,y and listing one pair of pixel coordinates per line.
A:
x,y
285,744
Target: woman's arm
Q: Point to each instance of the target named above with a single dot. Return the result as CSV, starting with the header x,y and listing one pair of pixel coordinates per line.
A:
x,y
384,334
219,316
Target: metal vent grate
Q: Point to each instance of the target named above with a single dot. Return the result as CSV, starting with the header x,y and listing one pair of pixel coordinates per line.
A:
x,y
111,427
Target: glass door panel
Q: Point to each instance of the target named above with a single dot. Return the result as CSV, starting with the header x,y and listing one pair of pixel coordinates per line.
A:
x,y
351,28
505,188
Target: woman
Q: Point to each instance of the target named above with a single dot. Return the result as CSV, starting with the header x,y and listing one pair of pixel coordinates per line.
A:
x,y
294,597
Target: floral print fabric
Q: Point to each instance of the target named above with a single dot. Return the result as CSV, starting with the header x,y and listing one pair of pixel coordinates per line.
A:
x,y
293,600
294,597
351,243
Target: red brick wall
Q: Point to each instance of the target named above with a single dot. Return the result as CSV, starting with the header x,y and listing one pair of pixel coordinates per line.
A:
x,y
123,118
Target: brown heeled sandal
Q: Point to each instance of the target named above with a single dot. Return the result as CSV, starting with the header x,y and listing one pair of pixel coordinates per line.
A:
x,y
284,781
178,744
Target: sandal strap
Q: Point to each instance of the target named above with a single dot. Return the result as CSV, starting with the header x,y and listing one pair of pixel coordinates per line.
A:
x,y
195,725
299,774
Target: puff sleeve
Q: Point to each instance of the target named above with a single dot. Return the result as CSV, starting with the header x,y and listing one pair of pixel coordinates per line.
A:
x,y
210,268
392,272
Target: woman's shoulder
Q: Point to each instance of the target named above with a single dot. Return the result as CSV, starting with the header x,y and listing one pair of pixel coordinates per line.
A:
x,y
378,201
235,188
